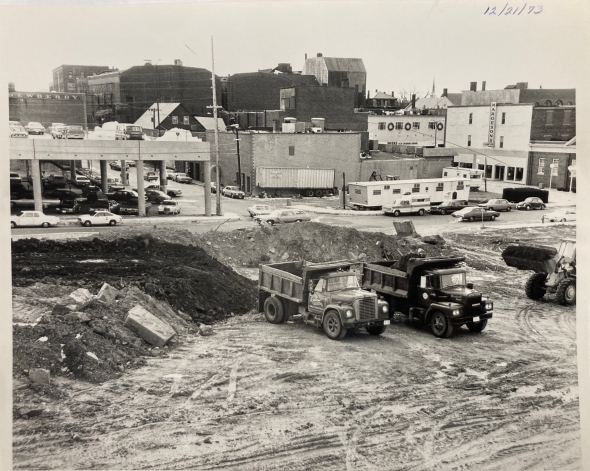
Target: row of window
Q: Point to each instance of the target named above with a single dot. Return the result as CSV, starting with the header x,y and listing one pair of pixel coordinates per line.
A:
x,y
554,170
512,173
399,125
185,120
501,145
415,188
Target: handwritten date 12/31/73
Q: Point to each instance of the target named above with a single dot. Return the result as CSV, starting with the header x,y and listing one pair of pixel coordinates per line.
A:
x,y
508,10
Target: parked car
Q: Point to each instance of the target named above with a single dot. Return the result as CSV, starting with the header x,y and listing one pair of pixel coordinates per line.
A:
x,y
170,167
113,180
169,207
128,132
233,192
532,202
151,187
283,216
32,218
100,218
170,175
56,181
64,194
114,188
475,213
86,190
498,205
116,165
182,178
57,130
17,131
81,180
172,192
561,215
74,132
449,207
259,210
131,208
35,128
71,206
156,196
130,163
213,187
150,177
125,196
15,178
15,123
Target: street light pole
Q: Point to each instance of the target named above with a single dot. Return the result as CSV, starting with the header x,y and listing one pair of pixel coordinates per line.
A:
x,y
239,182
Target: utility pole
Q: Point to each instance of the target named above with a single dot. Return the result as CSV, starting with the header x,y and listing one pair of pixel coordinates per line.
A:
x,y
239,182
158,89
218,192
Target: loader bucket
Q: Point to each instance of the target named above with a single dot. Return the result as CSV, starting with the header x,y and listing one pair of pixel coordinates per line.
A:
x,y
526,257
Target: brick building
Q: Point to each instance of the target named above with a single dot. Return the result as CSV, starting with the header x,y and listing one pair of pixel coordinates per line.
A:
x,y
339,72
104,97
65,76
258,91
47,108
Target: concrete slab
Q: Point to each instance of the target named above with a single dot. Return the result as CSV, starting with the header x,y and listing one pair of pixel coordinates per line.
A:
x,y
107,293
153,330
404,228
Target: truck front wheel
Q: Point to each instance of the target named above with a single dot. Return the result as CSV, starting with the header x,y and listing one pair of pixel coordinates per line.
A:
x,y
440,325
477,326
333,326
566,292
273,310
535,286
376,329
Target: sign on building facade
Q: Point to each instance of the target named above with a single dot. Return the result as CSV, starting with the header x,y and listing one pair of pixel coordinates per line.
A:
x,y
492,130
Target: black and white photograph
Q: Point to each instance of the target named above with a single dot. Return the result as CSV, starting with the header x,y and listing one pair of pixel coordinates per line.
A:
x,y
295,235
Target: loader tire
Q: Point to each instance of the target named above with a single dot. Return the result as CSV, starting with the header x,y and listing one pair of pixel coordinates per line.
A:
x,y
566,292
273,310
535,286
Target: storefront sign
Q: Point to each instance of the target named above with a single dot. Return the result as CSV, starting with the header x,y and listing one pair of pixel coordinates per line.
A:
x,y
45,96
492,131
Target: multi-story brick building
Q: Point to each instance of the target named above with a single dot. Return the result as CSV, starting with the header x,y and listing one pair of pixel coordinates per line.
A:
x,y
64,76
47,108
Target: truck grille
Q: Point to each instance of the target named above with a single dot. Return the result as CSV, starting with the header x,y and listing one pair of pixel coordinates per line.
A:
x,y
366,308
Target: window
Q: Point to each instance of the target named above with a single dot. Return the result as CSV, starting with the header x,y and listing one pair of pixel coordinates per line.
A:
x,y
567,117
549,118
376,192
399,125
416,188
416,125
480,167
431,125
510,173
185,120
519,174
193,127
470,118
559,103
460,186
445,174
469,140
291,151
129,98
489,171
501,142
504,118
357,191
548,103
70,75
381,126
555,168
174,119
440,187
541,169
82,74
397,191
387,187
71,87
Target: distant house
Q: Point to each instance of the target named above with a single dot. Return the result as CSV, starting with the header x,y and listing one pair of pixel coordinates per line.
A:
x,y
164,116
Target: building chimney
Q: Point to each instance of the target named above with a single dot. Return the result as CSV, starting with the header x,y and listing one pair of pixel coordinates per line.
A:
x,y
413,100
368,94
306,56
473,87
11,87
522,85
483,86
445,91
178,62
320,54
392,95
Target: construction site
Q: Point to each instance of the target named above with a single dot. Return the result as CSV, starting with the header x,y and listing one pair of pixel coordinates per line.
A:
x,y
225,389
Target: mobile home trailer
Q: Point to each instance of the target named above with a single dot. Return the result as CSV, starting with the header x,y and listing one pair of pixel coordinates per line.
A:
x,y
475,176
373,195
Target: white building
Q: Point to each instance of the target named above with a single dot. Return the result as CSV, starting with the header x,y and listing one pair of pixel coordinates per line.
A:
x,y
494,138
408,130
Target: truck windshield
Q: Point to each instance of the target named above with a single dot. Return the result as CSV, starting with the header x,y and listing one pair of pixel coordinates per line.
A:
x,y
342,282
452,279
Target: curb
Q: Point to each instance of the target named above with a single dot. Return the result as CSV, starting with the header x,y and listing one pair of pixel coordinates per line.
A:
x,y
335,212
158,221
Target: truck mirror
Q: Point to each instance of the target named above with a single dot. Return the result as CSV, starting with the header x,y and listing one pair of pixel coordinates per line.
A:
x,y
469,285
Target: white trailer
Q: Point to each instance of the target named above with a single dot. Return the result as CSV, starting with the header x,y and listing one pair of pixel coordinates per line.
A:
x,y
374,195
475,176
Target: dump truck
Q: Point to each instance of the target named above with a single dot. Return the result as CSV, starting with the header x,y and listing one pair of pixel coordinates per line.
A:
x,y
431,292
328,295
554,270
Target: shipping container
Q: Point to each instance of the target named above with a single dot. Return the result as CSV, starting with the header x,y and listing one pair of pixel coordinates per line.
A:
x,y
373,195
308,180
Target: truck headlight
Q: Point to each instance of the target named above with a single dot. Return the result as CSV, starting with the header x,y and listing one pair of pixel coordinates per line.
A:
x,y
456,312
127,136
385,308
349,313
489,306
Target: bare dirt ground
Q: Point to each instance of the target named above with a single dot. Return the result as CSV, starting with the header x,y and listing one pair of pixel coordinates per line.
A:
x,y
259,396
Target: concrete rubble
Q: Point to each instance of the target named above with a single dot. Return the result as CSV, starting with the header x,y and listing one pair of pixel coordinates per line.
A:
x,y
39,375
153,330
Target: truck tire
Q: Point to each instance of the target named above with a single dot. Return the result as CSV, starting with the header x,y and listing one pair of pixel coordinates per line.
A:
x,y
376,329
535,286
440,324
309,193
396,213
333,326
477,326
566,292
421,212
318,193
273,310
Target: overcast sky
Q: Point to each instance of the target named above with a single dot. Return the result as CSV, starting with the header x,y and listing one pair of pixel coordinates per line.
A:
x,y
404,45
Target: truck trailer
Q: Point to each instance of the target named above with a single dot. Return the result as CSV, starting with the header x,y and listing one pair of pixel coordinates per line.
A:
x,y
305,181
